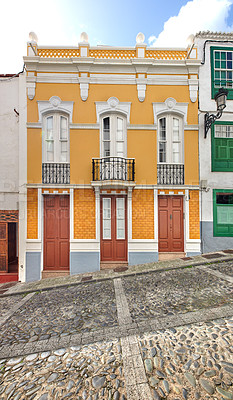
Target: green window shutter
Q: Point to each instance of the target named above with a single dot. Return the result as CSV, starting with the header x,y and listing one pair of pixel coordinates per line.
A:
x,y
222,154
222,215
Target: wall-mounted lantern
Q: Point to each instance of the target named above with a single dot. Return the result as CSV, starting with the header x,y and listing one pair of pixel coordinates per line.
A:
x,y
220,98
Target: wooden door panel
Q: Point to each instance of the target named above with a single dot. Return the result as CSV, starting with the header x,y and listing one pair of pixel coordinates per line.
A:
x,y
56,232
113,249
51,231
3,247
50,254
170,224
120,250
176,224
163,224
63,224
107,250
63,259
163,202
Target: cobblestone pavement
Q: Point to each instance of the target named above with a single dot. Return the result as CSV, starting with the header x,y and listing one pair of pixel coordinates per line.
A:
x,y
62,312
224,268
170,293
160,335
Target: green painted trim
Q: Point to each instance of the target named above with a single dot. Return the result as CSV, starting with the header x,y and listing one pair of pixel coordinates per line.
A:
x,y
215,225
213,89
218,166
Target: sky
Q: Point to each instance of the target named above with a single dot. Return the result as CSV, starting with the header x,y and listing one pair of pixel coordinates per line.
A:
x,y
166,23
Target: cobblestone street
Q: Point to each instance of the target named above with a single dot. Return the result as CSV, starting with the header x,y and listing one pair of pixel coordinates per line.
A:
x,y
163,334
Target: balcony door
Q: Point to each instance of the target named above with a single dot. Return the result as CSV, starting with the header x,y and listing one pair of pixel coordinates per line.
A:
x,y
56,232
113,148
113,216
171,227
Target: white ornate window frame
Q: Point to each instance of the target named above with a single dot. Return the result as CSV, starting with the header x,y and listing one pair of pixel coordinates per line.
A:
x,y
53,107
112,105
170,108
55,104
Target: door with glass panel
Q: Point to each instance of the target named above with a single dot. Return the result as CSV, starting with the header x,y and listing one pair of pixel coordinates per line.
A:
x,y
113,216
113,148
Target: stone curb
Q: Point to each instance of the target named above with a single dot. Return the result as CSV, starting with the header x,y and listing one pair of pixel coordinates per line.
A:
x,y
120,275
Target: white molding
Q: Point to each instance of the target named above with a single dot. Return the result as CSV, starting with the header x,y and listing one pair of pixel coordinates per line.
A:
x,y
129,213
53,105
39,222
170,106
84,87
156,223
85,126
112,184
85,246
22,176
34,125
193,89
136,127
112,105
71,214
141,127
138,246
193,127
193,245
31,90
186,211
33,246
97,213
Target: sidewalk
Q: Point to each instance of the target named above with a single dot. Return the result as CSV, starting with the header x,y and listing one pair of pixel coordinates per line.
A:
x,y
46,284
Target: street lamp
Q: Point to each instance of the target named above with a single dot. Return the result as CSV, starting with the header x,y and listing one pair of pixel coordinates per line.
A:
x,y
220,98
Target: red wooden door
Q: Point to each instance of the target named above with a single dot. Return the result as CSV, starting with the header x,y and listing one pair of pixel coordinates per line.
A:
x,y
3,247
113,217
171,227
56,232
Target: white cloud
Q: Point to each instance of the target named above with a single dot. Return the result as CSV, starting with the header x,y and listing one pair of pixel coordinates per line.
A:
x,y
195,16
152,39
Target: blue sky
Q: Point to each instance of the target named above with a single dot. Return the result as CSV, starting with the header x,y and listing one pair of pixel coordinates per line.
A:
x,y
165,23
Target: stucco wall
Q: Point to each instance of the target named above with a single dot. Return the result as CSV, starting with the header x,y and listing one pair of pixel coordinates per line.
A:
x,y
9,143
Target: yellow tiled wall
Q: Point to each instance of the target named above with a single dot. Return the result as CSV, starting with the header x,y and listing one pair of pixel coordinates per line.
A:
x,y
32,214
143,214
84,214
194,219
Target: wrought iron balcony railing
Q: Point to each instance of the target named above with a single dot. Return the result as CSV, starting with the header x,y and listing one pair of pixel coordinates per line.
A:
x,y
170,174
113,168
55,173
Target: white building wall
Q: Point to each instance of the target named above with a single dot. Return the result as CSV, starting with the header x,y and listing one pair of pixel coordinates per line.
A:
x,y
9,143
214,180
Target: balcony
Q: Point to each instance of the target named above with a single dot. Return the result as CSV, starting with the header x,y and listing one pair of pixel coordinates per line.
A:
x,y
113,168
55,173
170,174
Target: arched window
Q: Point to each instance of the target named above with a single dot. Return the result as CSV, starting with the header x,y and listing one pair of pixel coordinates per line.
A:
x,y
170,140
56,139
113,136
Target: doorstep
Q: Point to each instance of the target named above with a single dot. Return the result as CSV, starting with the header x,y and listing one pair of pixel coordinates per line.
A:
x,y
113,264
170,256
55,274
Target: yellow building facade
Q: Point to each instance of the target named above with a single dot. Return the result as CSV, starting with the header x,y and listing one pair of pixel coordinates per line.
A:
x,y
112,157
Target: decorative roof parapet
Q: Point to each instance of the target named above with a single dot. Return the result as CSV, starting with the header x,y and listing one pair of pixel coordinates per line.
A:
x,y
215,35
114,53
